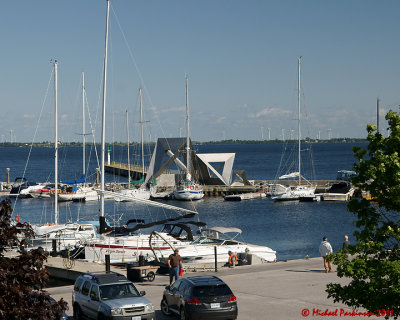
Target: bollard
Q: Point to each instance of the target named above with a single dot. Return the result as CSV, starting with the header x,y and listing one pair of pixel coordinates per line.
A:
x,y
215,256
107,256
8,175
54,247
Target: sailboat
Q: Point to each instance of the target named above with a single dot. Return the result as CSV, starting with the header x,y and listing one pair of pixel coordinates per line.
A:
x,y
77,189
279,192
142,192
67,234
188,189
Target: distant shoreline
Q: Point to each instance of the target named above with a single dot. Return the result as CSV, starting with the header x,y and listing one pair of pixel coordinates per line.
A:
x,y
79,144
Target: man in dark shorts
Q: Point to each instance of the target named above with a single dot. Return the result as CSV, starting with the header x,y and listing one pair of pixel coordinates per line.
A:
x,y
174,263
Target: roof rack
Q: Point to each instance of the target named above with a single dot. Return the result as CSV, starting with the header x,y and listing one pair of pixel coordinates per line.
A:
x,y
105,276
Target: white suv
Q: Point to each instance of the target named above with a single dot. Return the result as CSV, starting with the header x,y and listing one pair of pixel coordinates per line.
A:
x,y
109,295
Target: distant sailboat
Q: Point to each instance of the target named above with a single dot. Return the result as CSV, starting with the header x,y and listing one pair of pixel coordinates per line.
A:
x,y
279,192
79,191
142,192
188,189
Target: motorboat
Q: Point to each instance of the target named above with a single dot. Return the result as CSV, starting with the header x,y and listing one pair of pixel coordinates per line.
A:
x,y
22,188
128,243
340,191
202,250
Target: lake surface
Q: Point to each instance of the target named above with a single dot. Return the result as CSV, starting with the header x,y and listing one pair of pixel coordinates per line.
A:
x,y
293,229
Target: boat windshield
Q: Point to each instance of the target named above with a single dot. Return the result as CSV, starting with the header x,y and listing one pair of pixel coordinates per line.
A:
x,y
214,241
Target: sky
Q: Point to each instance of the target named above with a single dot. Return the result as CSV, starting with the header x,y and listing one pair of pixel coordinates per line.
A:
x,y
240,58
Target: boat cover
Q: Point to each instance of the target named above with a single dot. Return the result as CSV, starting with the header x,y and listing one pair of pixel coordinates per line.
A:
x,y
223,230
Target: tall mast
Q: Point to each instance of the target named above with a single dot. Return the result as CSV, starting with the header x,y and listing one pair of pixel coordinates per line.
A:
x,y
55,143
103,127
127,138
187,133
141,128
298,120
83,126
377,115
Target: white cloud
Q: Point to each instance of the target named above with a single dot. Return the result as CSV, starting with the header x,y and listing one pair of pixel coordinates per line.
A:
x,y
29,116
270,112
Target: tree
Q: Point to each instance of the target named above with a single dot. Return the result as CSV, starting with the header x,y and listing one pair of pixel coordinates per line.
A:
x,y
22,278
373,266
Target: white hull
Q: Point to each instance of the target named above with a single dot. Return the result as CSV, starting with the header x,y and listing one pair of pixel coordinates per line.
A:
x,y
129,248
82,194
193,192
205,253
140,193
282,193
66,235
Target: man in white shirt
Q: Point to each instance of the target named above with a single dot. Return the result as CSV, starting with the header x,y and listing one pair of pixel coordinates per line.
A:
x,y
325,248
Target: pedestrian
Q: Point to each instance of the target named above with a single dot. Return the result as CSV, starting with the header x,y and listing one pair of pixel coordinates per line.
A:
x,y
325,248
174,263
346,242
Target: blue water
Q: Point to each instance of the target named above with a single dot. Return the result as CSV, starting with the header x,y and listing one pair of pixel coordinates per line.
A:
x,y
293,229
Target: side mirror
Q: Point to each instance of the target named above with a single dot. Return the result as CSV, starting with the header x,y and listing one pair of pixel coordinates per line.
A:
x,y
142,293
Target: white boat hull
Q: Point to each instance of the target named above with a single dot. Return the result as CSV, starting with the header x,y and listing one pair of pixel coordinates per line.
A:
x,y
140,193
188,194
282,193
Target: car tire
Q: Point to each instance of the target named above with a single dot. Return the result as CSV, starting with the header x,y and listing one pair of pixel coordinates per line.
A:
x,y
77,312
164,307
182,314
101,317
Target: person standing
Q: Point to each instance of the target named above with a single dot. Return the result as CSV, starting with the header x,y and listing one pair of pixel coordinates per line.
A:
x,y
346,242
174,263
325,248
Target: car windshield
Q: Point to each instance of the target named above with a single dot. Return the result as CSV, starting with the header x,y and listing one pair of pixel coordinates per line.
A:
x,y
118,291
206,291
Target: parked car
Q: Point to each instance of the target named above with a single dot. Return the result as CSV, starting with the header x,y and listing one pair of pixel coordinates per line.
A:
x,y
109,295
202,297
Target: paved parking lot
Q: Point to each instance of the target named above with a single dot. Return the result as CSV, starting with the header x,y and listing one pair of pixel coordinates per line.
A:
x,y
283,290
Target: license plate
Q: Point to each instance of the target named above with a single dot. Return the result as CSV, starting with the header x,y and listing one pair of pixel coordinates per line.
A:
x,y
215,305
136,318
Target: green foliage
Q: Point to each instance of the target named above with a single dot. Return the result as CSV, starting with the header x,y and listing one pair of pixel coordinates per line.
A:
x,y
373,263
22,278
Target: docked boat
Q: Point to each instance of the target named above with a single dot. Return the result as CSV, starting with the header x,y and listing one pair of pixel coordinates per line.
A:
x,y
68,235
188,189
340,191
77,193
127,243
303,188
202,249
23,188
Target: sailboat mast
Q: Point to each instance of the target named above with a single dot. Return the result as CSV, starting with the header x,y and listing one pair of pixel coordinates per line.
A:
x,y
298,110
127,138
141,129
103,127
83,126
187,132
55,143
